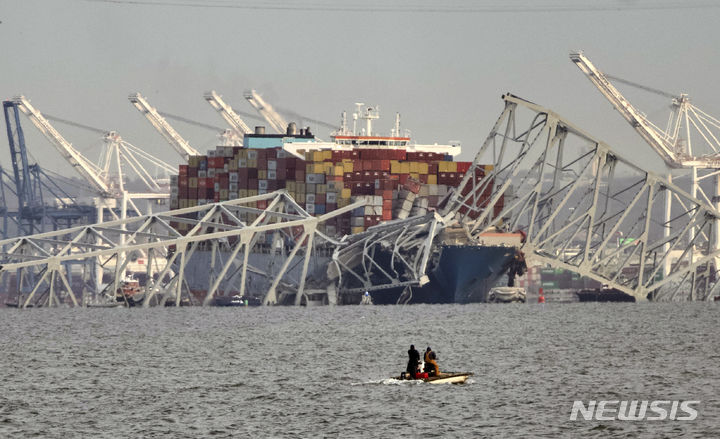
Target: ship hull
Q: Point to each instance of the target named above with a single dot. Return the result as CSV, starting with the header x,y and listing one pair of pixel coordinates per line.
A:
x,y
464,274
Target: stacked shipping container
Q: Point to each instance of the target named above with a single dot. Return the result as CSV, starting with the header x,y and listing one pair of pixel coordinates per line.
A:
x,y
393,183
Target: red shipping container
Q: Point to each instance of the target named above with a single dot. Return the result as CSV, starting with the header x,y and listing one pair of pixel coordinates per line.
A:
x,y
192,193
183,170
183,192
182,181
192,172
463,166
423,178
281,174
216,198
329,207
377,165
387,204
387,194
337,156
412,185
252,183
320,198
385,165
252,173
270,154
402,178
262,163
387,215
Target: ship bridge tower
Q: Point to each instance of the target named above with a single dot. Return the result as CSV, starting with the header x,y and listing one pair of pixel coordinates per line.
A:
x,y
368,114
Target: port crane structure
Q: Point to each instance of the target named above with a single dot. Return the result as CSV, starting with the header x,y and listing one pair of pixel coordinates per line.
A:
x,y
106,179
272,117
175,140
674,144
239,127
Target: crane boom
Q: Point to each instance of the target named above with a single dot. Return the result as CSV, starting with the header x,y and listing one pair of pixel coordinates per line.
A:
x,y
88,170
168,132
663,147
266,111
226,111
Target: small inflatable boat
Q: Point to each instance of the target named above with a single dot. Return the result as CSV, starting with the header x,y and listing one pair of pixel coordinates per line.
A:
x,y
443,378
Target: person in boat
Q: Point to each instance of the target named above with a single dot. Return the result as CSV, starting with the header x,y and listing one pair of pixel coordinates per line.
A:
x,y
431,366
413,361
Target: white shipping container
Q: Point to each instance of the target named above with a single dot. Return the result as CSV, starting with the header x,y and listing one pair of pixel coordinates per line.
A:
x,y
233,176
272,165
272,175
202,174
310,198
262,184
310,208
331,197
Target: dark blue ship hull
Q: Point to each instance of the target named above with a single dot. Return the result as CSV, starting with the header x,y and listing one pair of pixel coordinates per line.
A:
x,y
464,274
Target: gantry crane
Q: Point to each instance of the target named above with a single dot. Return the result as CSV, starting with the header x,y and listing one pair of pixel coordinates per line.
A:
x,y
674,144
271,116
107,183
239,126
168,132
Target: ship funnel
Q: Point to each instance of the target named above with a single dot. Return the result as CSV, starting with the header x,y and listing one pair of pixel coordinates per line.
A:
x,y
259,129
291,129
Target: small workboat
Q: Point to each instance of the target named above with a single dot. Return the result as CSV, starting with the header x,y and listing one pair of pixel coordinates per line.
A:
x,y
442,378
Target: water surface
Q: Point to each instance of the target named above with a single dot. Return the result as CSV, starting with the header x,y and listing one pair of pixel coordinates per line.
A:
x,y
322,372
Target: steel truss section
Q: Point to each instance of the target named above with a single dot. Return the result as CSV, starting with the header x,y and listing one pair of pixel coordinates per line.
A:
x,y
391,255
587,209
58,267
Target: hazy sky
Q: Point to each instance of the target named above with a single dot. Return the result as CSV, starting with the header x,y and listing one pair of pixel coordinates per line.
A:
x,y
443,68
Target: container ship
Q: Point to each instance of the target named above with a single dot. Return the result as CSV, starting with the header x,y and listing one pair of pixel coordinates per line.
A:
x,y
395,177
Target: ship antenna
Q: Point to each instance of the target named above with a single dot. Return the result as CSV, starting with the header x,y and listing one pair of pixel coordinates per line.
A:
x,y
397,125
